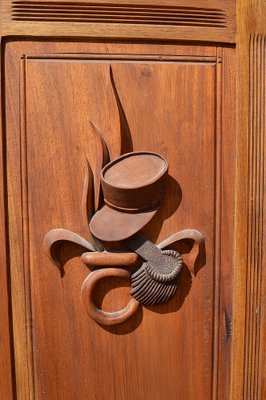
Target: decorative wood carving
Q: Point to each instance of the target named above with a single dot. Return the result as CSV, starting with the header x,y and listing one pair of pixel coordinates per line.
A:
x,y
133,186
151,284
254,346
156,281
110,259
55,238
89,347
100,316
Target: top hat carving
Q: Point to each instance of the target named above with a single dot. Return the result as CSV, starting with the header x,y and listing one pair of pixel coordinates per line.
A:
x,y
133,188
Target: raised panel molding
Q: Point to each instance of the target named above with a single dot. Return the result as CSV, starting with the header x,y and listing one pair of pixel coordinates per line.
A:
x,y
222,325
255,308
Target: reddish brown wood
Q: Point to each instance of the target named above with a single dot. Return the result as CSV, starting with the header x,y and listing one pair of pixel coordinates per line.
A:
x,y
196,257
102,159
149,283
56,238
133,188
107,259
6,348
154,282
209,20
97,314
71,353
50,93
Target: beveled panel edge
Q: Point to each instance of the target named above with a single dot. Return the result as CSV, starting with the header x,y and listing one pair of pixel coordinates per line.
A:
x,y
7,373
221,349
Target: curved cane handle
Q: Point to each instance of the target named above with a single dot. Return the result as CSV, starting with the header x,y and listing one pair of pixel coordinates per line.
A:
x,y
100,316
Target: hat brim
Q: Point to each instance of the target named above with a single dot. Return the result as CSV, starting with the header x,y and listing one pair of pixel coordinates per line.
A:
x,y
111,225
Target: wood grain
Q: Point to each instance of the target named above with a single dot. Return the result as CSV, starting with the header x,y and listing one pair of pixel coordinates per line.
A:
x,y
255,273
6,348
107,259
157,344
208,20
97,314
246,362
115,13
247,369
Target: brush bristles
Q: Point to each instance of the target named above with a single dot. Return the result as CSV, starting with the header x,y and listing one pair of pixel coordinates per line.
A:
x,y
150,289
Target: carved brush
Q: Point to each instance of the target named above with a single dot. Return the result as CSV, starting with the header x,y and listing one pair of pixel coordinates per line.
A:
x,y
156,280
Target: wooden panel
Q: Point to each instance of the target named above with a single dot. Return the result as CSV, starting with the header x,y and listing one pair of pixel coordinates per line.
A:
x,y
208,20
177,350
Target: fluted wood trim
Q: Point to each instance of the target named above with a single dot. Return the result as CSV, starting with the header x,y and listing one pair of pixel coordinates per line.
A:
x,y
256,219
198,20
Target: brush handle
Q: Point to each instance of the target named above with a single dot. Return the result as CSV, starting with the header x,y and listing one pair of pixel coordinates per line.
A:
x,y
106,259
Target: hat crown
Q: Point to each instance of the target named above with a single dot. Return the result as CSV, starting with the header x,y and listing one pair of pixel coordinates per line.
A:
x,y
135,182
136,169
133,188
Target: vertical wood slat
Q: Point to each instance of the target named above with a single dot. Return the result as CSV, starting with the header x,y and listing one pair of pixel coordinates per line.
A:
x,y
7,381
256,220
218,212
25,230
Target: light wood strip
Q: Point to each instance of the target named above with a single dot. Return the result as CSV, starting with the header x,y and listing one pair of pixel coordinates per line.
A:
x,y
256,216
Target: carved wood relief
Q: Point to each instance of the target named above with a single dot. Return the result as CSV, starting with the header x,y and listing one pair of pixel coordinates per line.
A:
x,y
49,180
188,78
130,194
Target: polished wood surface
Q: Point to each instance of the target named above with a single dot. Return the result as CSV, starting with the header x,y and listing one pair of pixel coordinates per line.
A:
x,y
181,101
249,380
107,259
6,347
50,135
201,20
107,318
133,187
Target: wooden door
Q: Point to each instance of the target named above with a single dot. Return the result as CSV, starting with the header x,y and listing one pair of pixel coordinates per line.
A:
x,y
179,102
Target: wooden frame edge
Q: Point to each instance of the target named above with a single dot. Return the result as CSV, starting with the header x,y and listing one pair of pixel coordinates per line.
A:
x,y
7,377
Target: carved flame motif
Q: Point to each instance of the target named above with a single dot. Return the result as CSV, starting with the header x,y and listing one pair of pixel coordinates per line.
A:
x,y
156,290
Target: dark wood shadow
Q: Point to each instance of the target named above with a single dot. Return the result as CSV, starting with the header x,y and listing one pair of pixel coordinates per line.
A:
x,y
172,200
65,252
